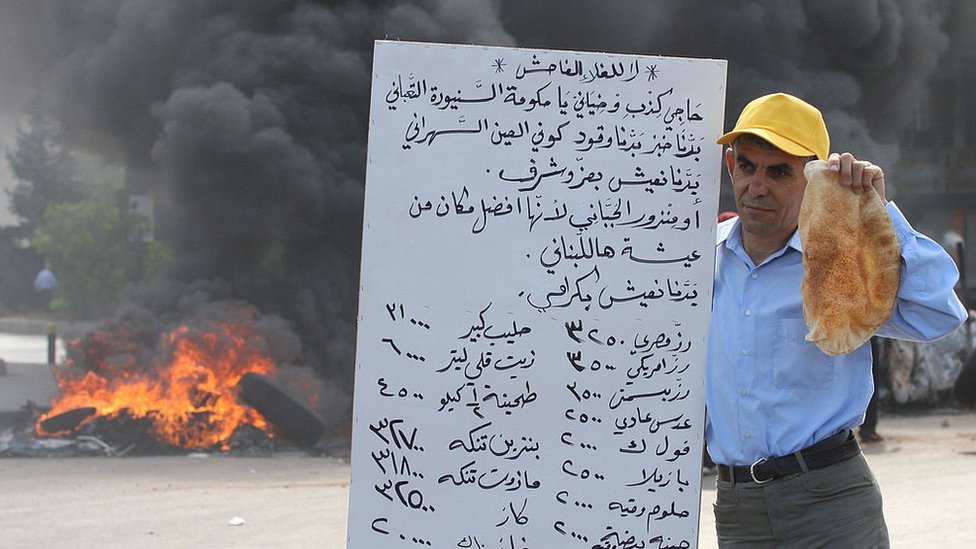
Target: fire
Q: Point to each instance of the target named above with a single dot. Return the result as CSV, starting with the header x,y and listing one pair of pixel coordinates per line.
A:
x,y
190,401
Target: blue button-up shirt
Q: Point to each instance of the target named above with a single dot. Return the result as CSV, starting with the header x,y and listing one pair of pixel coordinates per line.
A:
x,y
768,391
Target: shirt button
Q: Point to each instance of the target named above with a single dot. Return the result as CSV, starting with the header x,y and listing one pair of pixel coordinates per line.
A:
x,y
748,312
754,276
745,393
744,352
747,434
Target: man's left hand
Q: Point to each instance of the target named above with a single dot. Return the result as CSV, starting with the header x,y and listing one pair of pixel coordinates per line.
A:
x,y
857,174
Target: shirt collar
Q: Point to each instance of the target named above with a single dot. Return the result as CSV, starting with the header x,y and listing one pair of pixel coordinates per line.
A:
x,y
730,235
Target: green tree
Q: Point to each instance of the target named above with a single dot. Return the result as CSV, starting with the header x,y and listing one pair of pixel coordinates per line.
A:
x,y
45,171
86,244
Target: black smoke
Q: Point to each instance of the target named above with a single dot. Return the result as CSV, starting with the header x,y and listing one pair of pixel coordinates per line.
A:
x,y
866,65
247,119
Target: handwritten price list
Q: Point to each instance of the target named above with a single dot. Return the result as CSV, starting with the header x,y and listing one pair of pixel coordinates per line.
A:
x,y
536,284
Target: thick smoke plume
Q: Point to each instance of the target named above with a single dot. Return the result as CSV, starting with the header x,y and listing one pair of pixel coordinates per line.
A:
x,y
866,65
248,118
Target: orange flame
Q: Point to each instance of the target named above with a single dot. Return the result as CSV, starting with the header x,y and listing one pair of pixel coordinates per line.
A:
x,y
190,402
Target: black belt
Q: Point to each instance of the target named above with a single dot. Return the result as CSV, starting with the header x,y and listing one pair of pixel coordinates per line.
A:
x,y
831,450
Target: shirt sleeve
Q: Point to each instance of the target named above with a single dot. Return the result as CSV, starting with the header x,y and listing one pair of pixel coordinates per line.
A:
x,y
926,306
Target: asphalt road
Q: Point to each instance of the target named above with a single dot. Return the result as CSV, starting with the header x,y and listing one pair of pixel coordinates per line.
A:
x,y
926,467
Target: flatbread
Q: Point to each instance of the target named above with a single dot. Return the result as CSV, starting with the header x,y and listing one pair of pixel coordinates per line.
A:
x,y
851,260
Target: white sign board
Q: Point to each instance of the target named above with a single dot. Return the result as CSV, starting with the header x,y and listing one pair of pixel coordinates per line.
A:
x,y
536,287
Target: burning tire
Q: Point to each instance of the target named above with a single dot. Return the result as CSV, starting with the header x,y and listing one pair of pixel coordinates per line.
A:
x,y
67,421
290,419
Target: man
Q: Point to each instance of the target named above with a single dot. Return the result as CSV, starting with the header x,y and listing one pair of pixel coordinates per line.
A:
x,y
44,284
780,411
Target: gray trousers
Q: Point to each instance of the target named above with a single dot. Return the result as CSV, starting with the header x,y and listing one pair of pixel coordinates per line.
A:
x,y
835,507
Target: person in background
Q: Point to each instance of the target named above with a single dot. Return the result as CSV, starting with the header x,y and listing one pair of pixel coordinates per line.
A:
x,y
44,284
780,412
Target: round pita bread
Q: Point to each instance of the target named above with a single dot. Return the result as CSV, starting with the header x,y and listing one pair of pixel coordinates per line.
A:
x,y
851,259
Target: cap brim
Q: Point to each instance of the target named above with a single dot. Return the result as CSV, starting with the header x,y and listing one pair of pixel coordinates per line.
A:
x,y
778,141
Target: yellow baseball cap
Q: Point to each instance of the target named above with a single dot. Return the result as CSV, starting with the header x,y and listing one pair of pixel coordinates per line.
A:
x,y
791,124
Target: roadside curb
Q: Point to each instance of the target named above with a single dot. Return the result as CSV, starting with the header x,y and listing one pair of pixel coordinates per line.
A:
x,y
39,326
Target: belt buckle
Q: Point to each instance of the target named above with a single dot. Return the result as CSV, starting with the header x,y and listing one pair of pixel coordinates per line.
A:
x,y
752,471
